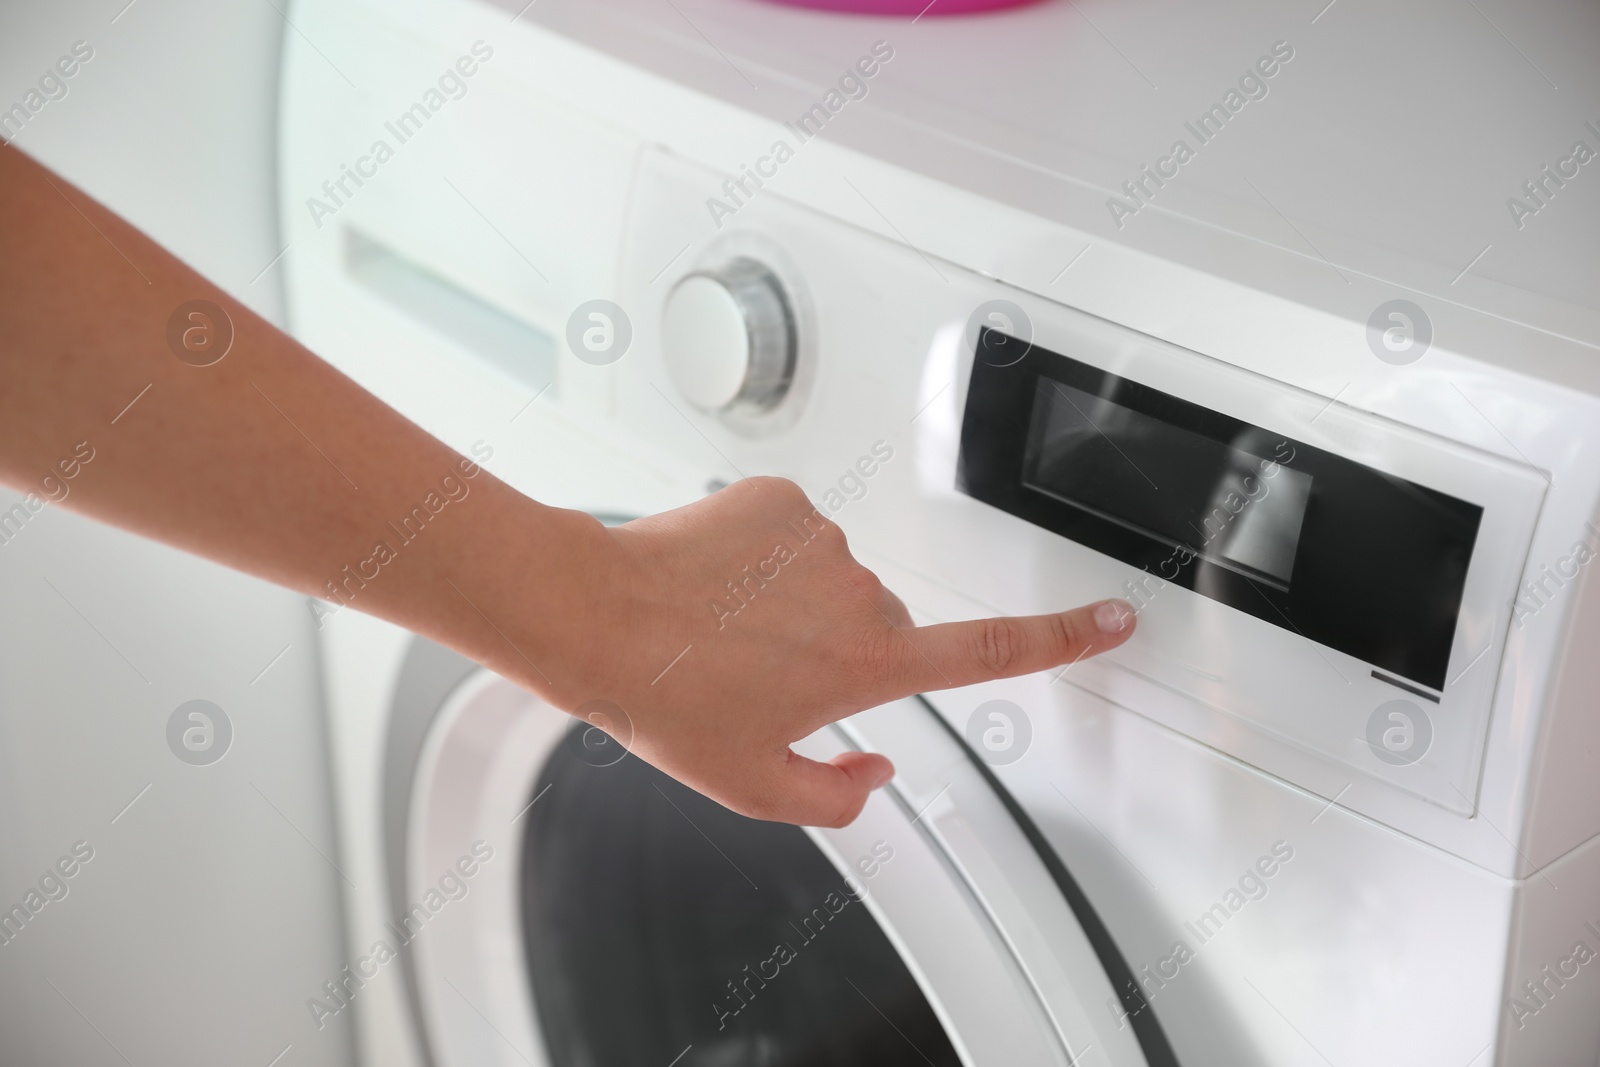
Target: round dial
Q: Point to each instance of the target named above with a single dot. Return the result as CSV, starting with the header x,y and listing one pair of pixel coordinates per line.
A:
x,y
728,337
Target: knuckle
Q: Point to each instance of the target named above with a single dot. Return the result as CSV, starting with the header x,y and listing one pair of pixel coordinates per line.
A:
x,y
818,526
1064,636
873,654
788,489
997,644
763,484
787,485
863,579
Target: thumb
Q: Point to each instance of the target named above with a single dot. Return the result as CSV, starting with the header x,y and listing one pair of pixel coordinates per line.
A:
x,y
825,794
954,654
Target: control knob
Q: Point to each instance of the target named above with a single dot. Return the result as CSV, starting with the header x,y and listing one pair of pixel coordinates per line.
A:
x,y
728,337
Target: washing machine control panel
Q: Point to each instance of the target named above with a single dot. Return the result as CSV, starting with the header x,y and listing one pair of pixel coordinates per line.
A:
x,y
1324,592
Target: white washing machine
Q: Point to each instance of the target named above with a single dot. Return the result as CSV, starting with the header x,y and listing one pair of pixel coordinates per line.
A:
x,y
1330,421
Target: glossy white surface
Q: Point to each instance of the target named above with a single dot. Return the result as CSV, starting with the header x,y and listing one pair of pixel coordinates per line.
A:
x,y
1401,928
1383,151
1257,691
947,800
472,792
705,342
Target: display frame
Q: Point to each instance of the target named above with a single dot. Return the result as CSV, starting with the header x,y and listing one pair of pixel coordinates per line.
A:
x,y
1330,597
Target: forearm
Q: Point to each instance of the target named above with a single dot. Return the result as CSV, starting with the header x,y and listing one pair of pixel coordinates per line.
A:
x,y
264,458
267,460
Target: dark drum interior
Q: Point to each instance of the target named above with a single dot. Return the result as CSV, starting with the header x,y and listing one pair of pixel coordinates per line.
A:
x,y
659,924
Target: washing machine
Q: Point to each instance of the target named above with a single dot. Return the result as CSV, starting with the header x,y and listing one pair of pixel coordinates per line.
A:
x,y
525,891
1331,427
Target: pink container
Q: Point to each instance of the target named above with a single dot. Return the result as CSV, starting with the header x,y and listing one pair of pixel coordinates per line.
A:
x,y
906,7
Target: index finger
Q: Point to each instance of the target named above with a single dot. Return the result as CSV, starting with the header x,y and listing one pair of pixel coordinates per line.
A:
x,y
953,654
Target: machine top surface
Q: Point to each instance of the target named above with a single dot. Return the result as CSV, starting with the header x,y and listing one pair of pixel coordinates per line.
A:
x,y
1395,144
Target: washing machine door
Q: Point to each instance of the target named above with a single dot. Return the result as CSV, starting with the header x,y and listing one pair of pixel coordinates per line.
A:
x,y
614,917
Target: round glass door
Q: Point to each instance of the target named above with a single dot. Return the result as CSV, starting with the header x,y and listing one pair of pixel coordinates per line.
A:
x,y
661,928
635,922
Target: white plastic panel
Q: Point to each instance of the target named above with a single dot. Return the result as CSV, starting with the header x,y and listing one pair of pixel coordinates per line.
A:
x,y
472,787
962,962
500,192
1270,677
966,824
1376,948
1033,108
1488,382
1551,1011
880,313
1383,949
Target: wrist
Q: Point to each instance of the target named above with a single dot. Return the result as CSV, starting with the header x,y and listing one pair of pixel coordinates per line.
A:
x,y
511,582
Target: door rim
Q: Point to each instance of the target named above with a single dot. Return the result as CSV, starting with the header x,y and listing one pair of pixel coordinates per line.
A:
x,y
438,688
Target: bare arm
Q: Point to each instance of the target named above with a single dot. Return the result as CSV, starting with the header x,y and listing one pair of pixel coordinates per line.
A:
x,y
272,462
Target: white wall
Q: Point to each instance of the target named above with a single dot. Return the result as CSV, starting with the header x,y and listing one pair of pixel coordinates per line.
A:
x,y
172,123
208,914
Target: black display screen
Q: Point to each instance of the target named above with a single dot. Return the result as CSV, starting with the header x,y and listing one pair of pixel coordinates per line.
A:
x,y
1233,507
1358,560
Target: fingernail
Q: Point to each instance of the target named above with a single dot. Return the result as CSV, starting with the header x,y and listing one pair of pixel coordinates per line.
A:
x,y
1113,616
883,778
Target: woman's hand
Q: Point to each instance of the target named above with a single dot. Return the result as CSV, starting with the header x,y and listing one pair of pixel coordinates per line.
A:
x,y
729,629
725,630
